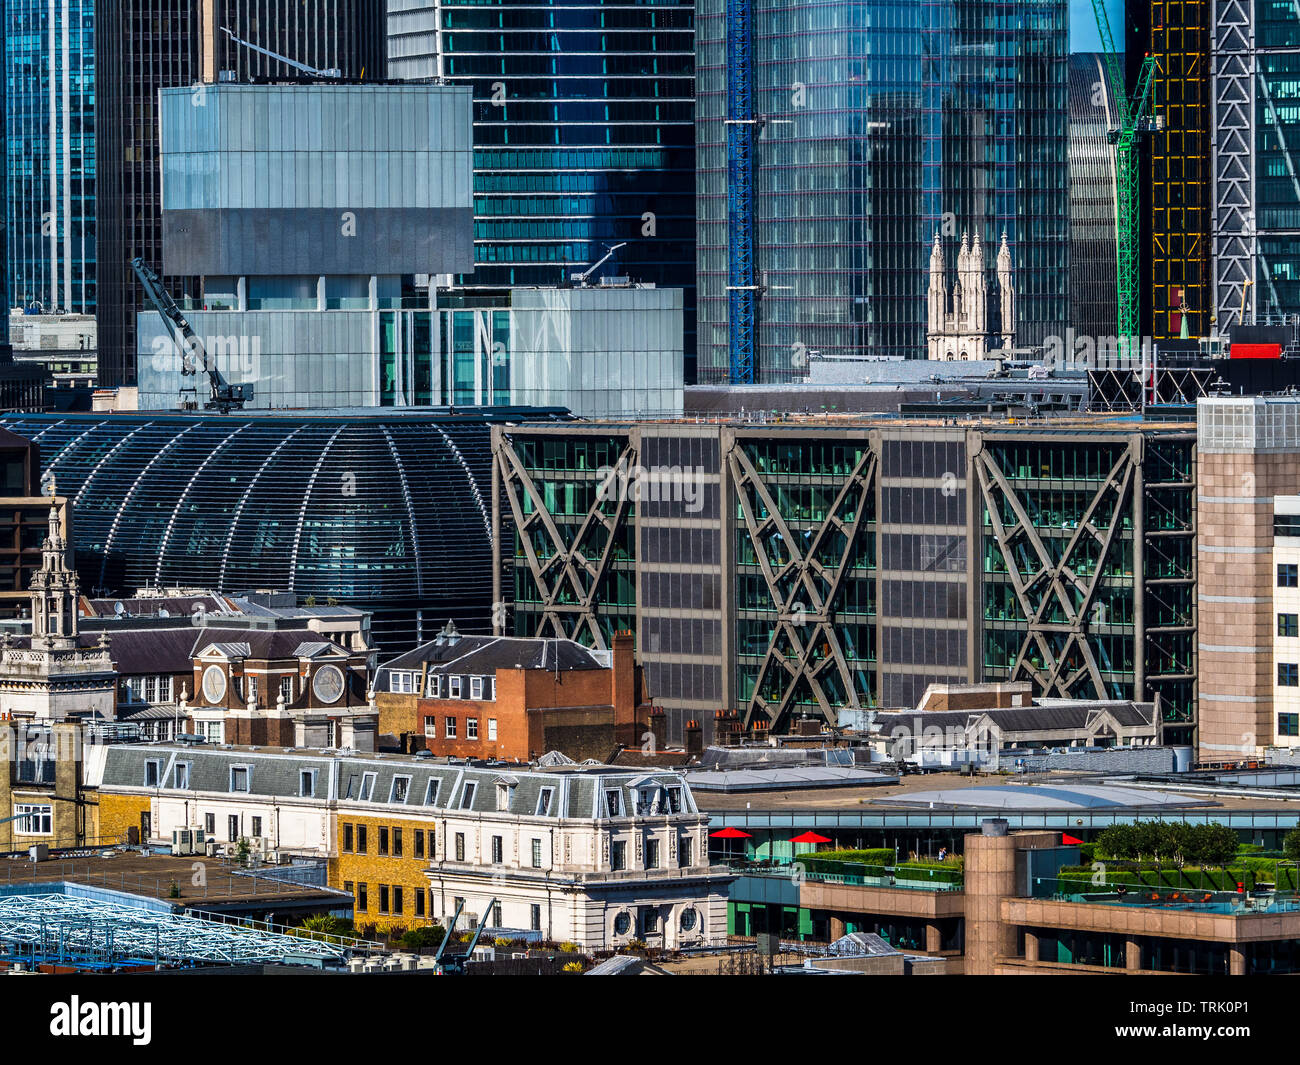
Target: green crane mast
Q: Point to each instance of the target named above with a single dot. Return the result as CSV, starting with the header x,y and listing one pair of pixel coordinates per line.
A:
x,y
1135,118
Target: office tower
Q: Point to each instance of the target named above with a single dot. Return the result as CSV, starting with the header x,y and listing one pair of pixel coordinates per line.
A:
x,y
1256,193
583,135
50,71
4,195
1175,261
839,567
834,143
1093,310
147,45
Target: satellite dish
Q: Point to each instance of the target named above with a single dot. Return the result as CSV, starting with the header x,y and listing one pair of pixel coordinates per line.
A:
x,y
119,610
164,613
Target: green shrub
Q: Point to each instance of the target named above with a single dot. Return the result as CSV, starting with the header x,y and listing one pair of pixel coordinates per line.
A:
x,y
1291,845
423,937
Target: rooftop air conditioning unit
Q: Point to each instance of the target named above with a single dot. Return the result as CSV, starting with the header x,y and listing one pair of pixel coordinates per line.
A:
x,y
183,842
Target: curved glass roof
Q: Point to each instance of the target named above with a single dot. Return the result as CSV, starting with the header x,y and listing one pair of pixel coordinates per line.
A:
x,y
365,508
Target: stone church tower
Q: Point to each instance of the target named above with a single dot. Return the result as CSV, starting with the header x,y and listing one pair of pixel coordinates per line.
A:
x,y
53,677
962,333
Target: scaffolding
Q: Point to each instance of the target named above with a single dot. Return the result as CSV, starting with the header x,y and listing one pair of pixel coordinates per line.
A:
x,y
88,933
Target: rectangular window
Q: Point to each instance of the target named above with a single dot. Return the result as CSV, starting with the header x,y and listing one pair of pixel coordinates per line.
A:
x,y
431,792
307,783
397,898
492,728
181,775
652,854
435,686
286,690
367,786
455,687
537,854
239,778
348,887
467,797
430,728
419,904
535,917
684,852
544,802
152,769
399,789
1288,674
1288,724
347,839
232,827
397,843
383,898
476,687
471,728
419,844
34,819
210,824
257,828
433,845
1288,624
460,846
618,855
496,915
496,850
613,803
1288,575
383,840
449,727
361,839
363,903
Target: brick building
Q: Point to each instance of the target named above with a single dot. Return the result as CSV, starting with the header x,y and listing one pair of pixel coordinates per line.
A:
x,y
514,699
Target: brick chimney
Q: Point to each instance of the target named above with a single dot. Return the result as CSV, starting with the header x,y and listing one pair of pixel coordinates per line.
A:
x,y
694,737
623,688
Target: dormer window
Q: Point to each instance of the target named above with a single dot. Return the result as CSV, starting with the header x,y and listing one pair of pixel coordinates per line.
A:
x,y
435,686
239,778
401,785
152,769
181,775
544,798
367,786
455,687
467,797
613,803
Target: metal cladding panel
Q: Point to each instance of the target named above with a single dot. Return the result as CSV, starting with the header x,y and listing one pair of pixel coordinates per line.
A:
x,y
297,240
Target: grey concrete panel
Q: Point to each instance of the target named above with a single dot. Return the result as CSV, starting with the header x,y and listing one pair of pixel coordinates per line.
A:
x,y
280,241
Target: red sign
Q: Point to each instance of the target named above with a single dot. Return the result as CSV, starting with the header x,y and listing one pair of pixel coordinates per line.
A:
x,y
1255,351
1068,840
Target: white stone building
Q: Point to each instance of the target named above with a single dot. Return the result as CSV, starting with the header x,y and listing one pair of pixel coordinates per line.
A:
x,y
959,328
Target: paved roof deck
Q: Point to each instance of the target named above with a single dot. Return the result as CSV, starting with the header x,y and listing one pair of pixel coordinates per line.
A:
x,y
167,878
1229,903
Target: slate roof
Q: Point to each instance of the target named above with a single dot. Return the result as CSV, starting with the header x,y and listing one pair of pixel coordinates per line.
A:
x,y
484,655
1045,716
577,792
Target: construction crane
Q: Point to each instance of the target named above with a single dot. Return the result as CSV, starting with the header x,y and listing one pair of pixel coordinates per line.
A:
x,y
311,72
581,279
742,125
1134,119
223,397
454,964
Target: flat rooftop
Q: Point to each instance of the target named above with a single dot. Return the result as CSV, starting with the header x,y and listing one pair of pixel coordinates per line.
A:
x,y
169,879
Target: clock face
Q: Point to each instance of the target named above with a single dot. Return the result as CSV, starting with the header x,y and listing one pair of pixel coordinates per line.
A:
x,y
214,684
327,685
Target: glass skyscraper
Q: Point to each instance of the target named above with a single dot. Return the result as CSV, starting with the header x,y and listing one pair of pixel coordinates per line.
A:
x,y
879,123
50,71
50,153
583,134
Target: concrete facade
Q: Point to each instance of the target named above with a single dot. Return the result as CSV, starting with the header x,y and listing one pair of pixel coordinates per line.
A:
x,y
1248,452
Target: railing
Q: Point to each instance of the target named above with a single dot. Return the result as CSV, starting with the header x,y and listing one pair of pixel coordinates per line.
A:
x,y
852,874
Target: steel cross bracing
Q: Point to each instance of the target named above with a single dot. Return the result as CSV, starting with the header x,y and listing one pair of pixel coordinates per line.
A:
x,y
92,933
569,577
1067,654
804,586
742,293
